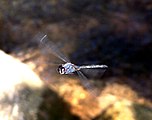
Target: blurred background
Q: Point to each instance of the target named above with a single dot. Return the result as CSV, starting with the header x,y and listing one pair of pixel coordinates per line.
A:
x,y
112,32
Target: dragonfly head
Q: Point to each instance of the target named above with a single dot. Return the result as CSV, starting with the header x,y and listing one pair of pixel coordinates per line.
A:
x,y
61,69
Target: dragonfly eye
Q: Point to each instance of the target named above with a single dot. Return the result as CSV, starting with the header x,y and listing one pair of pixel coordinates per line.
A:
x,y
61,69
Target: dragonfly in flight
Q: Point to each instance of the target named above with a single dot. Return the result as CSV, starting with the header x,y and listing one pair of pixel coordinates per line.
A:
x,y
68,67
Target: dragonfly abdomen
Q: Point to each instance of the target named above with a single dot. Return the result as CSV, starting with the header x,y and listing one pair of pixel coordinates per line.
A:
x,y
92,66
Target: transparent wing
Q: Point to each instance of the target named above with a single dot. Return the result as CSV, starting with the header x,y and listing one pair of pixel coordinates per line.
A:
x,y
87,84
52,48
94,71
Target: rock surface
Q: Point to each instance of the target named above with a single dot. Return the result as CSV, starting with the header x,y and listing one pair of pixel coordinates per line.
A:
x,y
20,90
122,109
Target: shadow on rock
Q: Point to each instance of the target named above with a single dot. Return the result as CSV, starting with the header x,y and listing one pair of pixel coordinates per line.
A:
x,y
54,107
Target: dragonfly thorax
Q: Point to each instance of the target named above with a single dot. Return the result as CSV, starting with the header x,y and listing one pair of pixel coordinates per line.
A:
x,y
67,68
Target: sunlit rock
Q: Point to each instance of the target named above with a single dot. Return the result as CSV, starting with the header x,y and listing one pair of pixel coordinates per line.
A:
x,y
114,108
20,90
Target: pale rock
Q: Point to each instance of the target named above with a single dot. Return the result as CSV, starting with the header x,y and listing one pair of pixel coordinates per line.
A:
x,y
20,90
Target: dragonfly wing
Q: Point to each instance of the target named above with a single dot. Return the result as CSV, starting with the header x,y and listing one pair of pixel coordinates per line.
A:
x,y
94,71
47,44
87,84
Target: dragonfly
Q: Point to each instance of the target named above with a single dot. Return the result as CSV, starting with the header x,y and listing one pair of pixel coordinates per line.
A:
x,y
68,67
